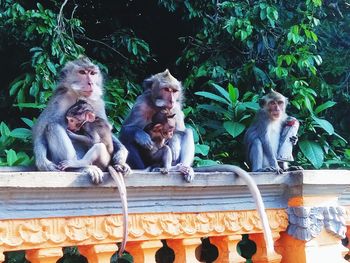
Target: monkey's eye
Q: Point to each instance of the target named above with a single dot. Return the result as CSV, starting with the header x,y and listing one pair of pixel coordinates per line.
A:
x,y
167,89
93,72
280,102
82,72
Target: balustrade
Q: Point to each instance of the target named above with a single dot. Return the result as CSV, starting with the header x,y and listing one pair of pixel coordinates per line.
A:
x,y
308,211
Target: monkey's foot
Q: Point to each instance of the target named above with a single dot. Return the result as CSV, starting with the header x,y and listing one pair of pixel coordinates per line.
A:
x,y
47,166
95,173
124,169
187,172
294,168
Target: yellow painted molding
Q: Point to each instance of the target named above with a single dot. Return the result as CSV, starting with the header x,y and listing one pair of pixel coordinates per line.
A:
x,y
69,231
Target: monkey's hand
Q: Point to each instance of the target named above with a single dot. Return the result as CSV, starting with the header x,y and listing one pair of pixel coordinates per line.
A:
x,y
95,173
294,139
161,170
187,172
143,139
124,169
63,165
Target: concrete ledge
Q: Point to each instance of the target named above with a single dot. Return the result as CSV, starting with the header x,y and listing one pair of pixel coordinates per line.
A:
x,y
55,194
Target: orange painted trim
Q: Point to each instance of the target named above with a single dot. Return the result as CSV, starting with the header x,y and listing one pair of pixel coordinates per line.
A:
x,y
313,201
59,232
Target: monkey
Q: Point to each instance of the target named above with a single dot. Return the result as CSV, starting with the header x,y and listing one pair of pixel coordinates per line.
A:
x,y
161,129
268,141
98,136
161,91
79,79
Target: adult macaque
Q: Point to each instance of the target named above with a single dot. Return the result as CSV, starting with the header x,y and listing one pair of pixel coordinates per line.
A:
x,y
270,139
79,79
161,91
161,129
97,135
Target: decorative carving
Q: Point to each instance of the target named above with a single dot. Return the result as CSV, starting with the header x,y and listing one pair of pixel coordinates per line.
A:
x,y
43,233
306,223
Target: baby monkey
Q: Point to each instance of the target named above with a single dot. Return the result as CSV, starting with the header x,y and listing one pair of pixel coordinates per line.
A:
x,y
161,129
96,135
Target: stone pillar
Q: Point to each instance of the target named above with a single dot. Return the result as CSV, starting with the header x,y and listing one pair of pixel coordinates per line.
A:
x,y
314,235
2,256
44,255
227,246
262,255
184,249
98,253
144,251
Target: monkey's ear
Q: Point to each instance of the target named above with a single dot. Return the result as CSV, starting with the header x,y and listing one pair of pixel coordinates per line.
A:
x,y
157,128
262,102
90,116
147,84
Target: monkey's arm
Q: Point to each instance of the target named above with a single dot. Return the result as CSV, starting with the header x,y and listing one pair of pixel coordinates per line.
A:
x,y
119,157
81,138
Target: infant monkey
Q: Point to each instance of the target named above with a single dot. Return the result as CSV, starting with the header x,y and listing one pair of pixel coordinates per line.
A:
x,y
97,136
160,130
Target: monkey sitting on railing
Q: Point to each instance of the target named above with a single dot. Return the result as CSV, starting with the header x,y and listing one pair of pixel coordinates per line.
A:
x,y
161,129
271,137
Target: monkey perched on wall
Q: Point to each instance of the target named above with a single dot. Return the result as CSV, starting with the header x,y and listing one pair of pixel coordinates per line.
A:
x,y
270,139
79,79
161,91
97,136
161,129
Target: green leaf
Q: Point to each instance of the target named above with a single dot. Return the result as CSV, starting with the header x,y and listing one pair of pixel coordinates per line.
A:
x,y
202,149
27,121
222,91
4,130
212,96
325,106
21,133
251,105
324,124
233,93
234,128
11,157
51,67
313,152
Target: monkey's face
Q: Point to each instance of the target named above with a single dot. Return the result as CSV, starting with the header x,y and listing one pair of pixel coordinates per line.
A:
x,y
167,97
87,82
275,109
74,124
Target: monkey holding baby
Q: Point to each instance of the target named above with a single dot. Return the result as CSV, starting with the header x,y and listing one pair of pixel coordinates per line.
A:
x,y
270,139
79,79
161,91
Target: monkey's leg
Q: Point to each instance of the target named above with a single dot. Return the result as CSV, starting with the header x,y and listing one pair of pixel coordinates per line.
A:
x,y
120,155
59,144
256,155
134,159
96,155
182,147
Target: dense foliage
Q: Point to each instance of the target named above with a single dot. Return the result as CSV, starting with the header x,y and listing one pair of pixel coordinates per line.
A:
x,y
227,53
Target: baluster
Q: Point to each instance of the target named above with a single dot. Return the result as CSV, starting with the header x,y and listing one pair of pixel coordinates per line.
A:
x,y
98,253
184,249
227,246
2,256
144,251
44,255
261,255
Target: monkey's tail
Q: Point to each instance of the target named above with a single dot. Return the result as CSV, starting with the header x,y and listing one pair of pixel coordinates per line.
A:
x,y
118,178
255,193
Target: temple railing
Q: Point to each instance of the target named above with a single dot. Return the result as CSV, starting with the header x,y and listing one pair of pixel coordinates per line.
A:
x,y
308,212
